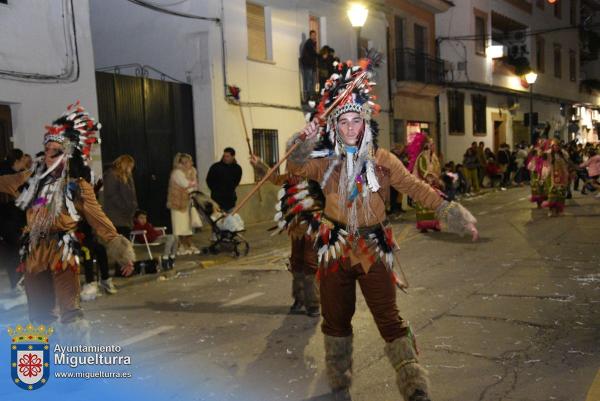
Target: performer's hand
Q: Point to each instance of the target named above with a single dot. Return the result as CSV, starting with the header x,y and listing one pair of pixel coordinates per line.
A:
x,y
311,129
254,160
474,232
127,269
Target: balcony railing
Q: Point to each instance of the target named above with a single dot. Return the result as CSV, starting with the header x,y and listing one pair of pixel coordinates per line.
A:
x,y
416,66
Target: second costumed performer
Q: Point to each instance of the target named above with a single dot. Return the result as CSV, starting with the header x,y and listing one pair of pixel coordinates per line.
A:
x,y
354,240
299,206
57,195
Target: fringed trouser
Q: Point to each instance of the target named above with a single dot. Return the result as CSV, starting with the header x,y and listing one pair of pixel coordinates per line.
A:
x,y
338,300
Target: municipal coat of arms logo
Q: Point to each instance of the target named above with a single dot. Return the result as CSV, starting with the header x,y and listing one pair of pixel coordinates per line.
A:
x,y
30,355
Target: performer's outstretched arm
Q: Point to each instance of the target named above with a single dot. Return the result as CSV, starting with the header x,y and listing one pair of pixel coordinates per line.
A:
x,y
118,247
9,184
299,162
453,215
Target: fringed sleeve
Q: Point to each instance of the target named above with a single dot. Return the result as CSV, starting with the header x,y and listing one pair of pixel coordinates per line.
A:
x,y
406,183
9,184
299,162
119,249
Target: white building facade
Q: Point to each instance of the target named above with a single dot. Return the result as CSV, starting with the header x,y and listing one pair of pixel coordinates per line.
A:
x,y
46,63
207,45
488,99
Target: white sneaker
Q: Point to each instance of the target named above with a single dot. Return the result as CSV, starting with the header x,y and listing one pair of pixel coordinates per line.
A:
x,y
502,189
183,251
108,286
194,251
89,292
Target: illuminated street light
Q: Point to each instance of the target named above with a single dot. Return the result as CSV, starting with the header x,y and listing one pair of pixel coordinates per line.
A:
x,y
495,51
531,77
357,13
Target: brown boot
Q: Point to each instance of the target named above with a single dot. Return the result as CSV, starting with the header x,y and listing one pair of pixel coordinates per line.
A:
x,y
297,293
311,296
338,364
410,376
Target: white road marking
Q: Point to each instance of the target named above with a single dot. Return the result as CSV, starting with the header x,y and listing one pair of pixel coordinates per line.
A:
x,y
145,335
523,198
498,207
243,299
482,213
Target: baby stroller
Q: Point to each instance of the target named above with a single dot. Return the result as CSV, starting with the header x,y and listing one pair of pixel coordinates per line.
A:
x,y
226,230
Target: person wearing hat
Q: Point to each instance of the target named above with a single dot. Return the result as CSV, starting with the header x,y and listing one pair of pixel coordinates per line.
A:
x,y
57,195
354,240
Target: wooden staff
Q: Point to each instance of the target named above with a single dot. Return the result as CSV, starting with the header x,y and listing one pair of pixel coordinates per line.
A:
x,y
247,138
245,129
359,78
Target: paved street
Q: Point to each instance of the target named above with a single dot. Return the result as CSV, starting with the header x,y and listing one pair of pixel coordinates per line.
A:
x,y
513,317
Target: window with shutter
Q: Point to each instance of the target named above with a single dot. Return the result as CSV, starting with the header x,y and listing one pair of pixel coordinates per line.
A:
x,y
257,43
572,65
557,61
479,103
480,31
456,113
540,54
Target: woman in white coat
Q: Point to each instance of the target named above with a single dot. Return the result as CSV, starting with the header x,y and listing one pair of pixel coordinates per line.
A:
x,y
182,183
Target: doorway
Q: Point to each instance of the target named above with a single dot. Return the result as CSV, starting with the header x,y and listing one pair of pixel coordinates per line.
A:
x,y
150,120
5,131
499,130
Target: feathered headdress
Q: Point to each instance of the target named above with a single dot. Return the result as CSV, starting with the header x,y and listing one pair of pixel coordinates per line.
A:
x,y
359,99
350,89
77,132
75,129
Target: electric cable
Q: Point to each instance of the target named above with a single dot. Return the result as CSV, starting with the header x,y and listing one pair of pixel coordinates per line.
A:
x,y
72,70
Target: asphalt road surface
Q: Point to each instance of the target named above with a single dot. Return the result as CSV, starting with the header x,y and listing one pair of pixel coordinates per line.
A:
x,y
512,317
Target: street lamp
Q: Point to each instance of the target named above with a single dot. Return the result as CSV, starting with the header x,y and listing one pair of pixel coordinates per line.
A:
x,y
531,77
357,13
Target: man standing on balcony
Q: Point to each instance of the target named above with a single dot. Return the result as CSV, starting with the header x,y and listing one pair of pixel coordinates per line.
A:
x,y
308,60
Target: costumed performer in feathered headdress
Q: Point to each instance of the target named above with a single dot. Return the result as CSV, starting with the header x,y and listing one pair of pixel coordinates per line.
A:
x,y
354,239
58,194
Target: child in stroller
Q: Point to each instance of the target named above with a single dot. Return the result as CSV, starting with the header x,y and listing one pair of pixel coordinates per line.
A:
x,y
226,229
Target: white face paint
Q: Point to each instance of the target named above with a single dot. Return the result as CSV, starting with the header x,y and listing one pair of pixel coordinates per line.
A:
x,y
351,127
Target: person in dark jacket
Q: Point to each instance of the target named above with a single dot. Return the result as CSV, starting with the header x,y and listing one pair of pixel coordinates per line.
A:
x,y
13,218
309,60
222,179
503,159
120,198
471,164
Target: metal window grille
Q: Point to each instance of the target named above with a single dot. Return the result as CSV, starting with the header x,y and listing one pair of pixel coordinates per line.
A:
x,y
265,144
